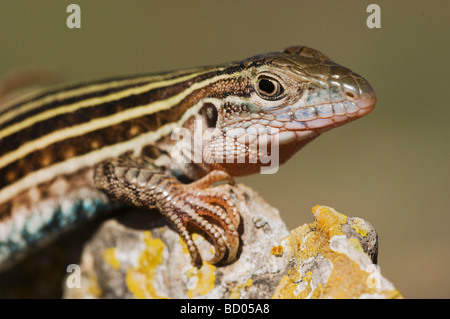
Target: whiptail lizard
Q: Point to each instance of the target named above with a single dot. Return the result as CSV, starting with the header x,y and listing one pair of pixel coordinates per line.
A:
x,y
65,153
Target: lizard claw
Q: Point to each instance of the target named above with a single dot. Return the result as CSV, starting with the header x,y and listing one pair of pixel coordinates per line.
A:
x,y
190,207
195,206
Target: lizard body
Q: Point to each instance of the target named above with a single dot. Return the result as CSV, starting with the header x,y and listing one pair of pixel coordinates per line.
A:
x,y
70,153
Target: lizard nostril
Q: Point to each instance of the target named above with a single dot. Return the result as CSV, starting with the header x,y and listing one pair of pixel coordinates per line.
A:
x,y
350,95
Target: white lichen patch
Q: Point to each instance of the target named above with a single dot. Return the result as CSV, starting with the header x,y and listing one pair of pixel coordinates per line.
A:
x,y
304,241
128,256
340,244
314,271
301,286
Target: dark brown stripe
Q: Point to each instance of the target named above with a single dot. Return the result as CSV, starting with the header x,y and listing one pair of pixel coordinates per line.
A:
x,y
58,103
121,132
84,115
85,84
78,98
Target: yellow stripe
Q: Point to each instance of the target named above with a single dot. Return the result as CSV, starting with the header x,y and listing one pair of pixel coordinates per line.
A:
x,y
90,159
64,94
103,122
85,103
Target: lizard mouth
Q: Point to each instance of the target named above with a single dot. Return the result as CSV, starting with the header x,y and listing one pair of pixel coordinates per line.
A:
x,y
316,111
303,123
300,122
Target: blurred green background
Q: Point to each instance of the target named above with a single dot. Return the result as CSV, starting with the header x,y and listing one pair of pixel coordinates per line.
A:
x,y
390,168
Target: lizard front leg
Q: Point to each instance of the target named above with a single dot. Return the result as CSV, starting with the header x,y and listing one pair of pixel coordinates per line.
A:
x,y
189,207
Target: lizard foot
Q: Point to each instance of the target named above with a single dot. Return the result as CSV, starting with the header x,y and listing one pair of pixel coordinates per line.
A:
x,y
208,209
190,207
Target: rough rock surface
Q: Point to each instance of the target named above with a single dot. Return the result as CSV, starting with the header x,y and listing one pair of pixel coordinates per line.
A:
x,y
138,256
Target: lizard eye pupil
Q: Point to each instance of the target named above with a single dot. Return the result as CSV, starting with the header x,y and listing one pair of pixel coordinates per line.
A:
x,y
269,88
266,86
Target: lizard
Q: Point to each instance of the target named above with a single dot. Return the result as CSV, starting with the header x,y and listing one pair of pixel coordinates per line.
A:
x,y
70,153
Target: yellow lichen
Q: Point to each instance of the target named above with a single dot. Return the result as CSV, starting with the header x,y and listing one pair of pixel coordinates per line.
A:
x,y
291,286
393,294
284,289
201,281
184,247
328,220
197,238
141,280
346,279
356,244
307,289
318,292
297,287
304,243
277,250
237,290
94,289
359,227
109,255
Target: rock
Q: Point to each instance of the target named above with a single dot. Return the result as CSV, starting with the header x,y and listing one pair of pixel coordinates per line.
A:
x,y
333,257
138,255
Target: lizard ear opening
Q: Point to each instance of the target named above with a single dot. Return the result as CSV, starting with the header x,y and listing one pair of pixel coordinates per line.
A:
x,y
209,113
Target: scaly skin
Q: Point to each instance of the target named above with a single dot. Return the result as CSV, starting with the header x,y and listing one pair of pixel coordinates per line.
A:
x,y
117,140
314,95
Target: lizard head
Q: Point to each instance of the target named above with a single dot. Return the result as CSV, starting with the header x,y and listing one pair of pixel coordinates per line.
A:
x,y
285,100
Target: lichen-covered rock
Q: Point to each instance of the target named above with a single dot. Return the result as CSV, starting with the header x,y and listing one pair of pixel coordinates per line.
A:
x,y
334,258
139,256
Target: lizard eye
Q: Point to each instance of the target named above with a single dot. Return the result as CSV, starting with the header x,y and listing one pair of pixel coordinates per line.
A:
x,y
269,88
